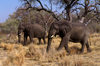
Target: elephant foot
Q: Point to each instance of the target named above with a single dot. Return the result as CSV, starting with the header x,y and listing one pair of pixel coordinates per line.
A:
x,y
89,50
81,51
24,44
58,49
18,42
68,52
44,43
39,43
47,50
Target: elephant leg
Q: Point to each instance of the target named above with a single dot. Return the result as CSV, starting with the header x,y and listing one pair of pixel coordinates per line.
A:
x,y
44,40
31,39
66,48
49,44
25,39
88,47
19,39
83,46
39,40
64,42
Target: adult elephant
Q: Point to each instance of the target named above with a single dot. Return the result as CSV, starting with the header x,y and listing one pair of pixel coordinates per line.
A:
x,y
74,32
31,30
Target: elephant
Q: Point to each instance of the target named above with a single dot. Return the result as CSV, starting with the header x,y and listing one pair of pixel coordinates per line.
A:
x,y
73,32
21,28
31,30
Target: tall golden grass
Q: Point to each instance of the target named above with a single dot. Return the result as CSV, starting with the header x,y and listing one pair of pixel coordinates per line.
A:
x,y
35,55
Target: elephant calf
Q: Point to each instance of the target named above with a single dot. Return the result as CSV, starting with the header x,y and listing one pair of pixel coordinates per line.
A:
x,y
31,30
74,32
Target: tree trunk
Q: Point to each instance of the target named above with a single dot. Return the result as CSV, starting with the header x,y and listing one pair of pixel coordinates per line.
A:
x,y
68,14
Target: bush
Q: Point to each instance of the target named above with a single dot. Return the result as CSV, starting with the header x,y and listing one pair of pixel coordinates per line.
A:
x,y
9,26
94,27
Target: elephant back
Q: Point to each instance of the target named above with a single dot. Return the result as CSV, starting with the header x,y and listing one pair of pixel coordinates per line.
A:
x,y
37,30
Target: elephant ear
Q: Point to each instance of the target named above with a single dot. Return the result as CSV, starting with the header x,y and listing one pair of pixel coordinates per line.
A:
x,y
56,26
66,28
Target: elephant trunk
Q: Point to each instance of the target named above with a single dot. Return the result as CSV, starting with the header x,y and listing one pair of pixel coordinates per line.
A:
x,y
49,44
19,37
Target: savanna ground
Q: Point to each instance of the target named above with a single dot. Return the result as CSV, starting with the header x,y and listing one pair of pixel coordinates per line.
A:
x,y
15,54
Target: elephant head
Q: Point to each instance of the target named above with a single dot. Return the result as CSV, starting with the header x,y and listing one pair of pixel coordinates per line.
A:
x,y
58,28
21,28
54,29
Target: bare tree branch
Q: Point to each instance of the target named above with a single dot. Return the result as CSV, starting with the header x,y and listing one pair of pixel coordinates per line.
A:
x,y
39,9
28,4
40,3
69,5
73,2
75,9
81,4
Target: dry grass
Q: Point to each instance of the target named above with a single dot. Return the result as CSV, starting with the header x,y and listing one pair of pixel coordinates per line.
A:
x,y
16,54
35,55
8,47
15,59
75,60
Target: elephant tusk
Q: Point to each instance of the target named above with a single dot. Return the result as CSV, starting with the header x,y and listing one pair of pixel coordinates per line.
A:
x,y
52,36
20,34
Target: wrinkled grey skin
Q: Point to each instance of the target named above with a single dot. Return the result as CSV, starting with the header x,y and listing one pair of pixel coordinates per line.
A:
x,y
31,30
74,32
